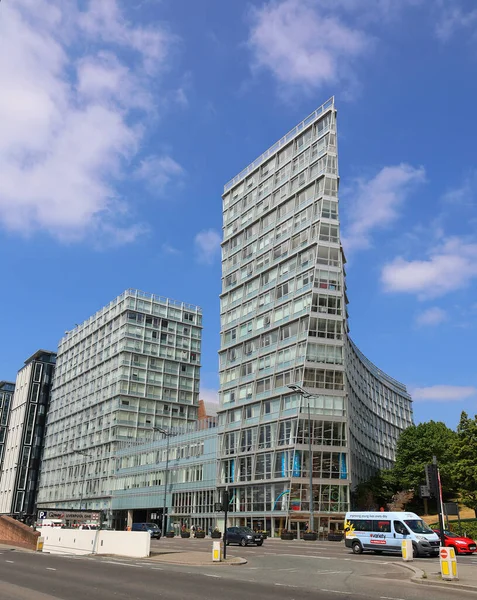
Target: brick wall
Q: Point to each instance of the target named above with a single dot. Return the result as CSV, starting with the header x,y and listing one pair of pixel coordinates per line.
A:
x,y
17,534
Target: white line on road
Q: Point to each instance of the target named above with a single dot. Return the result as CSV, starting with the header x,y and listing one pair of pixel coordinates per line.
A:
x,y
157,569
329,572
123,564
50,569
389,598
209,575
286,585
337,592
10,561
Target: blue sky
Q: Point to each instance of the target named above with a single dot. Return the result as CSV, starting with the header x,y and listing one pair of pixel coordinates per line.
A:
x,y
120,122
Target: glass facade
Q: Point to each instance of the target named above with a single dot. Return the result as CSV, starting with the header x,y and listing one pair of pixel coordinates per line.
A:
x,y
6,394
140,480
25,436
284,323
131,367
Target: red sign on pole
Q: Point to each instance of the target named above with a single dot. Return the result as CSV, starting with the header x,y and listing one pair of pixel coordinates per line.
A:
x,y
444,552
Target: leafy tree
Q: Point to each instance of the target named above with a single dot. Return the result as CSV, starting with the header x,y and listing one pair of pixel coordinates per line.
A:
x,y
416,447
465,457
376,492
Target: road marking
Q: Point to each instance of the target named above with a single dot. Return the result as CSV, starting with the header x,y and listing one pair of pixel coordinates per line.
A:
x,y
50,569
157,569
286,585
209,575
389,598
309,556
10,561
336,592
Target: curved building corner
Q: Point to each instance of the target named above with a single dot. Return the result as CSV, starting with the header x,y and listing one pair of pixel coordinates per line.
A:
x,y
379,409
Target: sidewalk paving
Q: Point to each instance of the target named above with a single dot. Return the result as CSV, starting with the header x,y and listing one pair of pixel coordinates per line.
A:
x,y
467,576
193,558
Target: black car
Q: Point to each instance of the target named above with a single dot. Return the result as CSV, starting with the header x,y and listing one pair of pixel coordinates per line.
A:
x,y
152,528
243,536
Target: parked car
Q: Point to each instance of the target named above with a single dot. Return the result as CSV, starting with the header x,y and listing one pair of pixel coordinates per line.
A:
x,y
152,528
243,536
89,526
461,544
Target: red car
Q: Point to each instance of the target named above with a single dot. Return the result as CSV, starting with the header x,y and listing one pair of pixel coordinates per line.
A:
x,y
461,545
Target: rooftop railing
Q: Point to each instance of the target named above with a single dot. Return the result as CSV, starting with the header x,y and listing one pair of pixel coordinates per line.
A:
x,y
316,114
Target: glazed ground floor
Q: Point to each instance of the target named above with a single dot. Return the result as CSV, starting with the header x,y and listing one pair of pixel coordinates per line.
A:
x,y
272,523
297,524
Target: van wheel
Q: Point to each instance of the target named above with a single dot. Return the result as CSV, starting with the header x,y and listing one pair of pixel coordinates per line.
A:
x,y
415,552
356,547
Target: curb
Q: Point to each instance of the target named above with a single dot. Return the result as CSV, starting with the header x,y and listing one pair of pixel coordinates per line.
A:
x,y
234,562
420,578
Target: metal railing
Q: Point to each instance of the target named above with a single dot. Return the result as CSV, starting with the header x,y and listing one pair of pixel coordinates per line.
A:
x,y
284,140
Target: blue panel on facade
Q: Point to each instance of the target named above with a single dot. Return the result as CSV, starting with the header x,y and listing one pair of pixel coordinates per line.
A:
x,y
343,468
297,464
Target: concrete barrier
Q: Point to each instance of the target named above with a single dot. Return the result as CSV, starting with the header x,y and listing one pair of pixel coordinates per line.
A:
x,y
136,544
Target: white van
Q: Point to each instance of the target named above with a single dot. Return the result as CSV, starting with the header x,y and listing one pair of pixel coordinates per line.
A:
x,y
385,531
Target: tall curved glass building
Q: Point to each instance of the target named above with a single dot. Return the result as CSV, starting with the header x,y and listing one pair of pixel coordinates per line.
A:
x,y
299,402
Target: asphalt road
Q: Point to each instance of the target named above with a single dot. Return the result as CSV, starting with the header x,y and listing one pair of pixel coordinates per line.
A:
x,y
272,575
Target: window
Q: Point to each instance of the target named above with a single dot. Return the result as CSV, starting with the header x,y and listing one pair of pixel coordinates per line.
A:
x,y
263,385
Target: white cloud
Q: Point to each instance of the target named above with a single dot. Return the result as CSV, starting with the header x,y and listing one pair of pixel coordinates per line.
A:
x,y
310,43
302,43
431,316
106,21
158,171
375,203
454,19
443,393
449,267
207,243
171,250
70,122
463,195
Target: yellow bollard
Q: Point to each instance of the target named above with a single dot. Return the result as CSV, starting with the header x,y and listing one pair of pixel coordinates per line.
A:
x,y
407,552
39,544
448,563
216,552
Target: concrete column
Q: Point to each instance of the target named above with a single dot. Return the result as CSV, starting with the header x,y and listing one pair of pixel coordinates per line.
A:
x,y
130,518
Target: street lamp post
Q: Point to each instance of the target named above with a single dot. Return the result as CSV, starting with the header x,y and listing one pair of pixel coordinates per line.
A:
x,y
304,394
85,455
167,433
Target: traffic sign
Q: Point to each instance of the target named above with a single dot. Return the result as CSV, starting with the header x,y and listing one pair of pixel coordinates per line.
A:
x,y
42,514
444,552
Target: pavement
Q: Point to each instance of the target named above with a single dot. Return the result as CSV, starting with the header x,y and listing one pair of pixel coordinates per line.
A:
x,y
467,576
194,559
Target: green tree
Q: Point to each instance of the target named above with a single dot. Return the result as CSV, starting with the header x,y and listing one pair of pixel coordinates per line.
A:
x,y
465,465
416,447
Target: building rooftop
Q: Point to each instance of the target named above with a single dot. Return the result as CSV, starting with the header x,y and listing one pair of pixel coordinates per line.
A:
x,y
315,115
37,354
6,384
135,294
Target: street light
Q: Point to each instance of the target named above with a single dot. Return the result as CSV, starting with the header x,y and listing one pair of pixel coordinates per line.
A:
x,y
167,433
86,455
304,394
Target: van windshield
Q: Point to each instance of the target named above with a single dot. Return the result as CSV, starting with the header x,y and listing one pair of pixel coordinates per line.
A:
x,y
151,526
418,526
